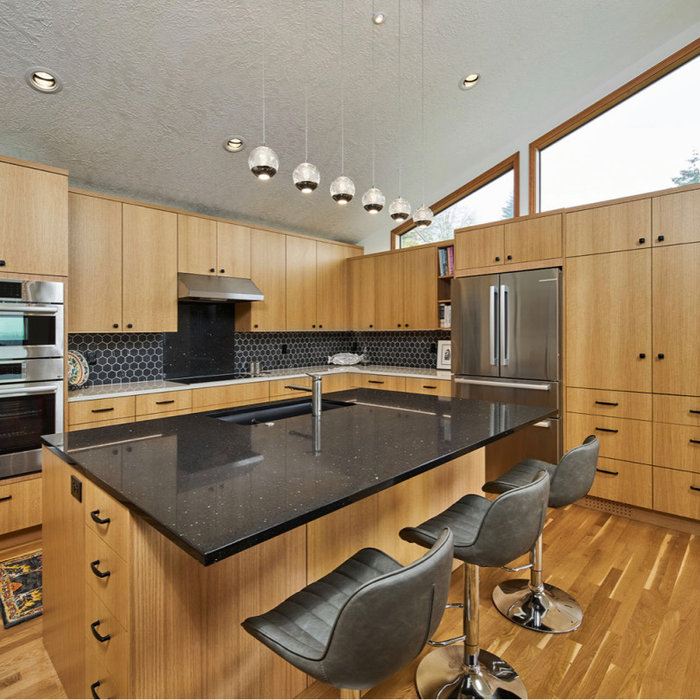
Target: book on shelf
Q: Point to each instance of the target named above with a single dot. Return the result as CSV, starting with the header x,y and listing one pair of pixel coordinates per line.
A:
x,y
446,263
445,315
451,260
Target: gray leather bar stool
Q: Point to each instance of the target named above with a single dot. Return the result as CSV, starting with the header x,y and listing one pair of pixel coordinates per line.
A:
x,y
362,622
486,533
534,604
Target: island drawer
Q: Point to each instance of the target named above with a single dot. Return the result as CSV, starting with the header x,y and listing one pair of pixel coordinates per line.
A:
x,y
624,482
100,623
230,395
100,506
677,492
388,382
163,402
101,682
618,404
107,574
434,387
677,446
682,410
100,410
20,504
620,438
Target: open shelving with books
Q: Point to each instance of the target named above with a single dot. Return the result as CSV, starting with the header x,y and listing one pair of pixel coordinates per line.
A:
x,y
446,270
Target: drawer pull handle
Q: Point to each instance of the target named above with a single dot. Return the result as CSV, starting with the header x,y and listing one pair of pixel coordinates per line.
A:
x,y
695,488
607,403
607,430
96,634
693,410
6,498
95,515
429,386
374,381
93,689
102,410
606,471
160,403
695,442
96,571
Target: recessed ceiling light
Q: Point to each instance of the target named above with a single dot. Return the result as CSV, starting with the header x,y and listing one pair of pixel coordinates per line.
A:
x,y
379,18
43,79
469,81
234,144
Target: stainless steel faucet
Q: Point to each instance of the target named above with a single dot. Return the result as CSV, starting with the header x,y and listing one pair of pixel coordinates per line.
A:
x,y
316,392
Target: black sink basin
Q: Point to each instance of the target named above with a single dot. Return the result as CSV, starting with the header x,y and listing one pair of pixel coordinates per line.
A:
x,y
251,415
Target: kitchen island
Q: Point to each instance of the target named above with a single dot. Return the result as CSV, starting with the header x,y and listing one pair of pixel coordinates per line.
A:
x,y
209,522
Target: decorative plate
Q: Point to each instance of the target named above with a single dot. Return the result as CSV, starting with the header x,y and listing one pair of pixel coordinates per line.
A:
x,y
78,370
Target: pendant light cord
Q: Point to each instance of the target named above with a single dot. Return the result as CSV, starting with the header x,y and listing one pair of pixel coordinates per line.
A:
x,y
374,101
263,84
422,89
306,88
342,90
400,112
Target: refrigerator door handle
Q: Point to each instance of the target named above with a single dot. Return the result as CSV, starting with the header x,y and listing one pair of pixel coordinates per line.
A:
x,y
505,344
505,385
493,310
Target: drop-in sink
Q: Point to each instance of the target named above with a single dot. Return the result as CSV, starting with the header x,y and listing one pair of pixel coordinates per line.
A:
x,y
272,412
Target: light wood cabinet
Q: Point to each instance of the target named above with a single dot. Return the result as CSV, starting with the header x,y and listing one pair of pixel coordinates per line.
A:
x,y
20,504
33,220
608,321
605,229
534,238
677,446
682,410
433,387
676,218
164,402
389,286
232,250
301,284
332,286
479,247
97,410
212,397
387,382
617,404
362,284
677,492
624,482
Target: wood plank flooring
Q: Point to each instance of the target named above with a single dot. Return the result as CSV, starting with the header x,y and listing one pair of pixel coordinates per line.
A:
x,y
637,583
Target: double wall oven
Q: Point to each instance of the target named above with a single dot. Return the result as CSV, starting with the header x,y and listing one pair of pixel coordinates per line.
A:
x,y
31,371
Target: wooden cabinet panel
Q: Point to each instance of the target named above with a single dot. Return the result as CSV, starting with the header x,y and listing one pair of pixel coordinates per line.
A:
x,y
435,387
538,238
100,424
149,267
166,414
162,402
677,446
33,220
419,288
676,218
301,284
625,226
196,245
624,482
682,410
99,679
676,330
620,438
233,394
278,388
389,289
94,304
20,505
479,247
112,654
233,250
607,321
100,410
99,505
339,382
619,404
362,283
677,492
387,382
113,590
331,287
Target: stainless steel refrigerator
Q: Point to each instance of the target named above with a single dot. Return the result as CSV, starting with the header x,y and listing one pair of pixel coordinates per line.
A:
x,y
506,346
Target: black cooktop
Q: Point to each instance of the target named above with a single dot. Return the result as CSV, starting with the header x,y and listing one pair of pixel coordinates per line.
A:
x,y
209,378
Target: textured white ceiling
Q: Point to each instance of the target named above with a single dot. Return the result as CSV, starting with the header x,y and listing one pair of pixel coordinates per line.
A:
x,y
152,89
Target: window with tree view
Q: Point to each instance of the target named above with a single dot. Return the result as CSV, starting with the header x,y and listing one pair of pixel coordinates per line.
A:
x,y
491,202
651,141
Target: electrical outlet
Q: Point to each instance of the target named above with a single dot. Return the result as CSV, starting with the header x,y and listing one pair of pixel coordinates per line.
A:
x,y
76,488
285,349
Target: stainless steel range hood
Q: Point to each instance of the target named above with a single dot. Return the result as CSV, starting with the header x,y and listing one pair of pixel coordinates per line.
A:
x,y
222,289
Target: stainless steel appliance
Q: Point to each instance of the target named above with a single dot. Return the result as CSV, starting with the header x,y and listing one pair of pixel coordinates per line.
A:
x,y
31,371
506,346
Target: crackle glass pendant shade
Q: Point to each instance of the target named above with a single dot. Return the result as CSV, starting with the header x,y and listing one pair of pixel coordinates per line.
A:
x,y
373,200
342,189
263,162
423,217
400,209
306,177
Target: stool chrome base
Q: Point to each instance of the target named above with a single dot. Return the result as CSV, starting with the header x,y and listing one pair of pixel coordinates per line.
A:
x,y
548,609
443,674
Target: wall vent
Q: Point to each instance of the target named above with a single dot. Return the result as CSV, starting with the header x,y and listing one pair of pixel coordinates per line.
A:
x,y
607,506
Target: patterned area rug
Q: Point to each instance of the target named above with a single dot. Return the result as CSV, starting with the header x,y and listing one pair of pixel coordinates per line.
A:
x,y
20,588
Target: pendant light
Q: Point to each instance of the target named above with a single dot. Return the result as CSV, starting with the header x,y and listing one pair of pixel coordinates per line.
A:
x,y
306,176
342,188
400,208
263,161
373,200
423,216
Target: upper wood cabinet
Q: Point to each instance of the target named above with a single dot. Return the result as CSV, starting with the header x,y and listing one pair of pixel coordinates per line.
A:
x,y
301,284
604,229
232,250
534,238
361,282
676,218
479,247
389,286
33,220
332,286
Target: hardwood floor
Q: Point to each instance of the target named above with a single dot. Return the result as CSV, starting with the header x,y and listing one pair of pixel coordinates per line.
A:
x,y
639,638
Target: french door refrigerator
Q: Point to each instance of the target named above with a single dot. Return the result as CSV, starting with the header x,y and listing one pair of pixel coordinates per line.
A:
x,y
506,347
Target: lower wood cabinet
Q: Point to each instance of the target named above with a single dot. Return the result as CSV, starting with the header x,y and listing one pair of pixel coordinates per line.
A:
x,y
212,397
20,503
625,482
677,492
115,410
434,387
387,382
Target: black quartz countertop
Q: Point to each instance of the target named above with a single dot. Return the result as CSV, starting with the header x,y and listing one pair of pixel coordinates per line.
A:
x,y
217,488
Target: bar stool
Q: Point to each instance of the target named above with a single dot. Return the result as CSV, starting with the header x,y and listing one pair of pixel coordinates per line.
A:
x,y
486,533
533,604
362,622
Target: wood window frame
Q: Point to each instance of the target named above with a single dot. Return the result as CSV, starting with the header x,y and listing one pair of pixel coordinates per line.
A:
x,y
510,163
630,88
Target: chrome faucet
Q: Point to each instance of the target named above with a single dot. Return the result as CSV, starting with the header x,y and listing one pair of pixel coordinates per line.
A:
x,y
315,390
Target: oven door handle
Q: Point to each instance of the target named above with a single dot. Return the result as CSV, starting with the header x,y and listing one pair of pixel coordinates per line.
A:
x,y
14,391
27,309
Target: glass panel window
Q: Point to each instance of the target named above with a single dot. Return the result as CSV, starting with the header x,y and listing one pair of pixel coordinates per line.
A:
x,y
491,202
651,141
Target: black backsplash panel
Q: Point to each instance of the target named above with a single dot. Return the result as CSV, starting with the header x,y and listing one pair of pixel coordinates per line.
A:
x,y
400,348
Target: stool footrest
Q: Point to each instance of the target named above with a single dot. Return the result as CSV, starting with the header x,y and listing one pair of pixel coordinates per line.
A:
x,y
515,569
447,642
454,605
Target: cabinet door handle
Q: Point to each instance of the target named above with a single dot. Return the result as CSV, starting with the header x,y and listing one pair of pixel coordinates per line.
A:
x,y
115,325
222,270
99,637
497,259
607,403
96,571
212,269
642,355
371,325
6,498
606,471
661,356
95,515
93,689
374,381
693,410
429,386
660,238
695,488
509,257
101,410
129,325
642,241
695,442
607,430
2,263
162,403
